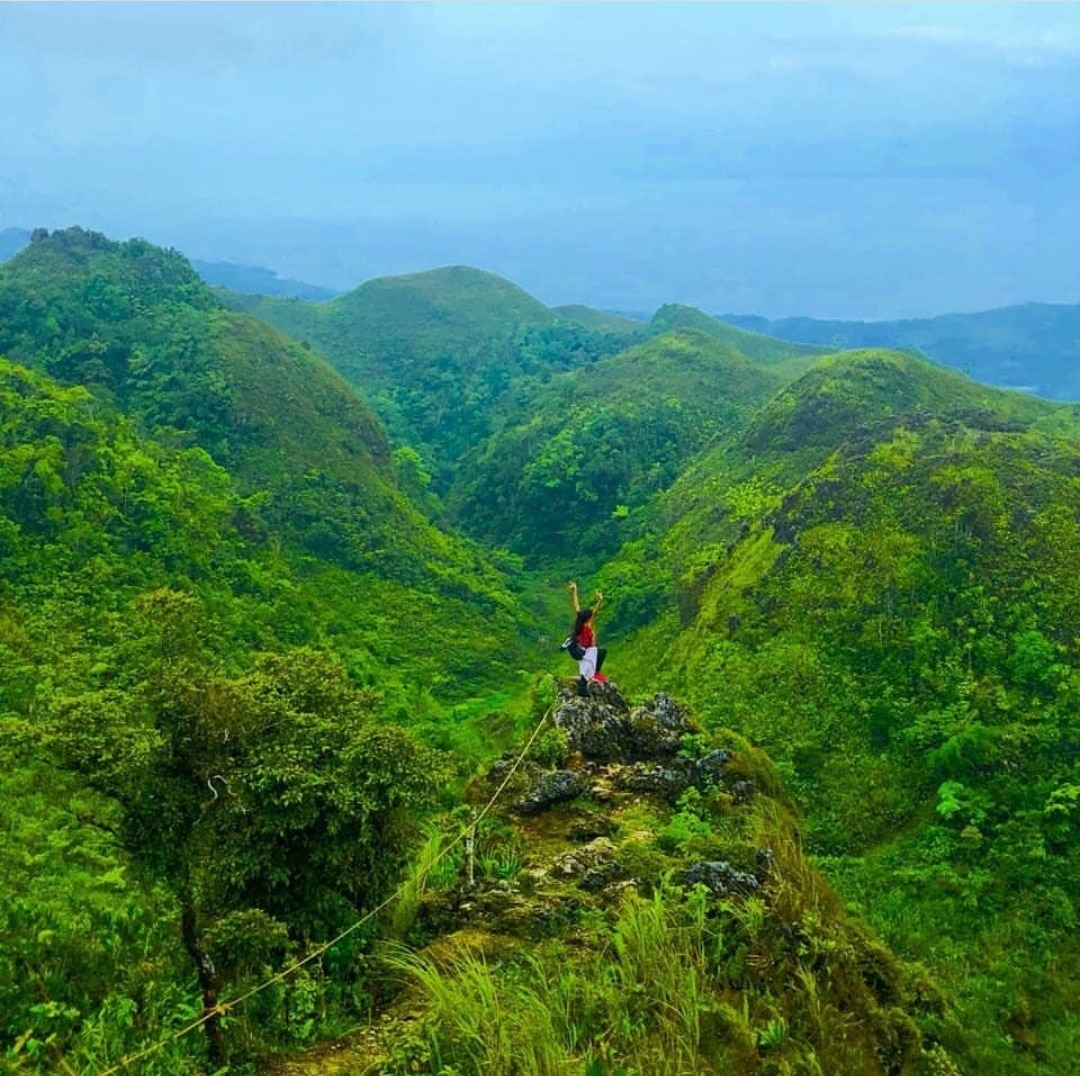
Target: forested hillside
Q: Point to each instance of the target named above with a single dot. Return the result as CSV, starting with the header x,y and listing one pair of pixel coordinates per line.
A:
x,y
251,689
576,456
308,462
538,429
875,584
218,612
433,352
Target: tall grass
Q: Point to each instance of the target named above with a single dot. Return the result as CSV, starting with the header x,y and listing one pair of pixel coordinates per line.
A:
x,y
644,1004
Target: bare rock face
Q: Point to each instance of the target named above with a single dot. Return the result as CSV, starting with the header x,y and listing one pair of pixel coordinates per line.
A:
x,y
596,729
657,728
721,879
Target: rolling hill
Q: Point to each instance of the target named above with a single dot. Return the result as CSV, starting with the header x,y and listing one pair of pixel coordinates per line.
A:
x,y
690,527
504,398
871,582
309,463
574,457
768,350
433,352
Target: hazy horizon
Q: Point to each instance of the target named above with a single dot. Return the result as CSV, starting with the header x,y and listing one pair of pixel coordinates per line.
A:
x,y
859,161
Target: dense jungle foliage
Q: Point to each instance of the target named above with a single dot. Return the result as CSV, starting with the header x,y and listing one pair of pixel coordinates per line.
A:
x,y
204,608
252,664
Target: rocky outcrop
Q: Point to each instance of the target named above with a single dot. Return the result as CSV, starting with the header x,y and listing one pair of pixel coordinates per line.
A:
x,y
558,786
582,824
603,728
721,879
635,809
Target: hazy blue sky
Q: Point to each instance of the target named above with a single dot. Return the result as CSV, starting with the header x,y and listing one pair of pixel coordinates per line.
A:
x,y
850,160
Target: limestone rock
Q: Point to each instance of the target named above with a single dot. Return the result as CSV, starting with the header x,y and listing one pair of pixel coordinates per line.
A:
x,y
721,878
556,786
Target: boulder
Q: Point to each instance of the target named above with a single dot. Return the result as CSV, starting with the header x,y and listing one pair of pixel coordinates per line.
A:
x,y
554,787
721,879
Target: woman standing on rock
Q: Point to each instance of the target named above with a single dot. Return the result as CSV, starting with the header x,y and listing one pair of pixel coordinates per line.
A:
x,y
590,657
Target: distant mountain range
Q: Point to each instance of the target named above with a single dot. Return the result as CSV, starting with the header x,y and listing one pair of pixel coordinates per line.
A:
x,y
255,280
1033,348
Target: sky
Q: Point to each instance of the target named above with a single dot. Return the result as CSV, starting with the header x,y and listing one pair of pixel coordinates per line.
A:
x,y
853,160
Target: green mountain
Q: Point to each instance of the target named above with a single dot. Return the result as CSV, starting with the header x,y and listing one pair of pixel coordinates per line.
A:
x,y
600,320
136,327
575,457
249,689
1033,347
766,350
213,596
872,583
506,400
433,353
689,529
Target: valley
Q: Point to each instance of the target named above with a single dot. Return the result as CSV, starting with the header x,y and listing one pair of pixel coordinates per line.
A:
x,y
283,585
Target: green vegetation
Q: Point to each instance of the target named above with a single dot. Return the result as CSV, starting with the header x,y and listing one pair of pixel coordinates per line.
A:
x,y
601,321
766,350
433,353
690,936
892,614
590,448
249,687
302,470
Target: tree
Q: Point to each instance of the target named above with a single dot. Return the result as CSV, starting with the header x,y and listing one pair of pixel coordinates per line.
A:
x,y
273,792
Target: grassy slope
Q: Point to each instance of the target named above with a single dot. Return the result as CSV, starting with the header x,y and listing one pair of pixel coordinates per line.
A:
x,y
873,585
690,527
178,445
924,717
766,350
136,325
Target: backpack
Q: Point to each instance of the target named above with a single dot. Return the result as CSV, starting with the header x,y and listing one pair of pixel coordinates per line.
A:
x,y
571,645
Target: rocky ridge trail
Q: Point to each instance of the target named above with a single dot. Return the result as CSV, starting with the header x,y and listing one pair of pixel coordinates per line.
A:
x,y
618,802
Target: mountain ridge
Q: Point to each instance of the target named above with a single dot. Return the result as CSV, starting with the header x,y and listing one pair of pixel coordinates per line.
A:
x,y
862,560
